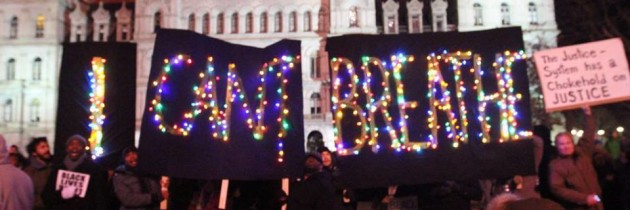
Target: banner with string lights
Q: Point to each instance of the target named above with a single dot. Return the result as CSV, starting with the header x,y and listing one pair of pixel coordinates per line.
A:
x,y
96,98
216,110
419,108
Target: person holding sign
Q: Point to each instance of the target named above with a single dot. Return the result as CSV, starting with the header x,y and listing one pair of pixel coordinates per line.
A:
x,y
132,189
77,182
572,177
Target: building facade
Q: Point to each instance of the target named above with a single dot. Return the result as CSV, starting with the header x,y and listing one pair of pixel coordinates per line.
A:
x,y
30,53
30,44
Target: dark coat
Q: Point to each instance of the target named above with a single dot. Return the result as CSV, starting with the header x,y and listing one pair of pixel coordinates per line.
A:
x,y
314,193
573,178
135,191
39,174
95,197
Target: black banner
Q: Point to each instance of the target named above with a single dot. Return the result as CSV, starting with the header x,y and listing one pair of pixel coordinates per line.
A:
x,y
75,87
419,108
216,110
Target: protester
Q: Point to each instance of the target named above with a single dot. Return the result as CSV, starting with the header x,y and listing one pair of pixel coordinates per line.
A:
x,y
572,178
548,153
77,161
39,167
344,198
613,145
16,188
135,191
17,159
316,191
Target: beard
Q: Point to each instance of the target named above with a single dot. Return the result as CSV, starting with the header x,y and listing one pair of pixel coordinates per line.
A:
x,y
46,157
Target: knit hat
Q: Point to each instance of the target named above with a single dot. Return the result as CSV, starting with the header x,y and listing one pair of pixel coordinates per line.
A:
x,y
77,137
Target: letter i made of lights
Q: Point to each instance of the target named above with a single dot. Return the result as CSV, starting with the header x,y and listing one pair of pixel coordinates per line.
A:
x,y
97,100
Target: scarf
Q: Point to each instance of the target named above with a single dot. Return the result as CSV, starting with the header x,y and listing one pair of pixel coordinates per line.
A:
x,y
71,165
37,163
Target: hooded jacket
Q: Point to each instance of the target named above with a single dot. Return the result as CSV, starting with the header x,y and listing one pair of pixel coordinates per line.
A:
x,y
16,188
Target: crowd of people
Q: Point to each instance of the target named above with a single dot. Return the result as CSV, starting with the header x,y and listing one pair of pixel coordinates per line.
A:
x,y
583,175
33,183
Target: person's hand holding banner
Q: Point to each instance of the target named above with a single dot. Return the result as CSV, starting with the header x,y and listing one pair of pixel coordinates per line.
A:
x,y
68,192
72,183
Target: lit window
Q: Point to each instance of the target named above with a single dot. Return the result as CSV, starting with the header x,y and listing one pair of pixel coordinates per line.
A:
x,y
39,26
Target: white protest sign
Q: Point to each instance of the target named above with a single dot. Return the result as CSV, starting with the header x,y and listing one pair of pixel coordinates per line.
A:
x,y
78,180
587,74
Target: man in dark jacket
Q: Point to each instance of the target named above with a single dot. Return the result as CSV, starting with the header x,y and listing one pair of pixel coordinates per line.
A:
x,y
77,161
39,167
316,191
572,177
132,189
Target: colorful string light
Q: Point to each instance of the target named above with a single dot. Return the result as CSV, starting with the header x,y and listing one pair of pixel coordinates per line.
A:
x,y
97,100
456,128
206,98
439,95
505,99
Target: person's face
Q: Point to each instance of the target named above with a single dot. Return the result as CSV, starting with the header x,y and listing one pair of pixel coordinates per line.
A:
x,y
131,159
13,149
564,145
312,164
42,151
326,159
75,149
14,160
615,134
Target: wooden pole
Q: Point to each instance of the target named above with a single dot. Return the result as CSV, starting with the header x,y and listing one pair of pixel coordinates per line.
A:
x,y
223,196
285,188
